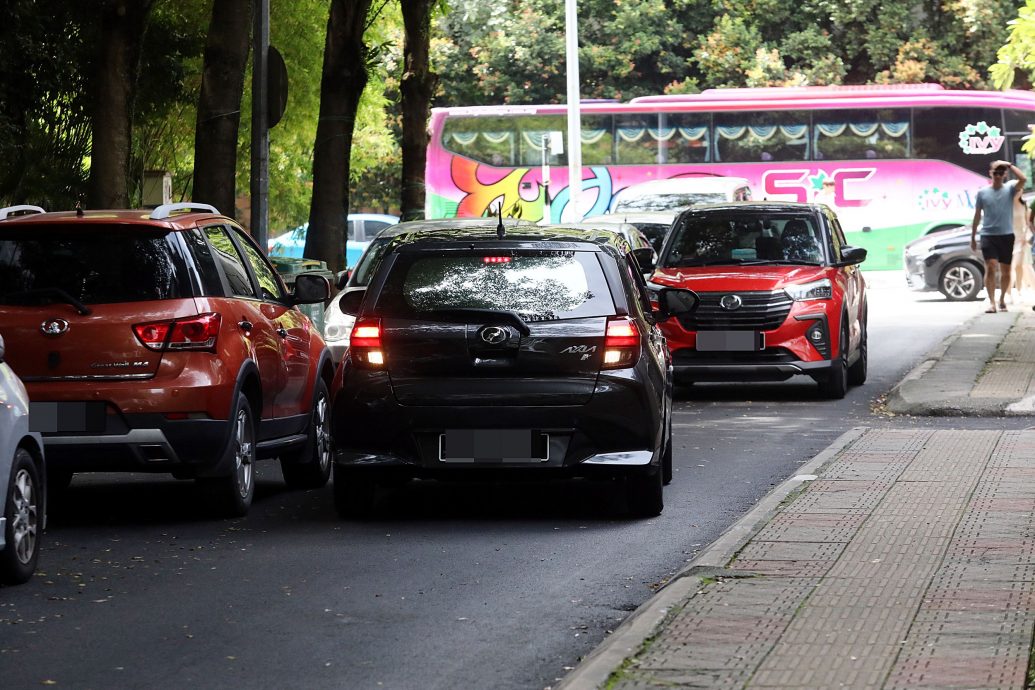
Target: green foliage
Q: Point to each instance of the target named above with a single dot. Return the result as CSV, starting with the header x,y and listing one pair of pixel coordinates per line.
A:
x,y
1018,53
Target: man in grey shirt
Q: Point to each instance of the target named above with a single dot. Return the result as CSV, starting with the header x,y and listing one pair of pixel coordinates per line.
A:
x,y
994,209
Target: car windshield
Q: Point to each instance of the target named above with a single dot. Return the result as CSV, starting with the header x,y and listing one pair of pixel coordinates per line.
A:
x,y
539,285
716,239
665,202
46,265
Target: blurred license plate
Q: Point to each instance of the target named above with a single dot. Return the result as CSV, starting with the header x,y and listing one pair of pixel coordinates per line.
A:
x,y
67,417
509,445
730,341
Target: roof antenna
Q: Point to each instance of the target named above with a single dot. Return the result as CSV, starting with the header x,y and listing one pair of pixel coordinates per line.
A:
x,y
501,231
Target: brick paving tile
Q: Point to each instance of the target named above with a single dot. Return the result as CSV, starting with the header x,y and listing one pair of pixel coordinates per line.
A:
x,y
908,563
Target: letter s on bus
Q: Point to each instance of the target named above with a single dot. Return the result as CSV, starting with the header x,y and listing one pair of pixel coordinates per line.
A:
x,y
786,183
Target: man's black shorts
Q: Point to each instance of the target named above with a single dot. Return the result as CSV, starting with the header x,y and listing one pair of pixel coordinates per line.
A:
x,y
998,247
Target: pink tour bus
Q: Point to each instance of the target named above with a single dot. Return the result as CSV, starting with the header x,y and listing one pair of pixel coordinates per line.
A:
x,y
904,159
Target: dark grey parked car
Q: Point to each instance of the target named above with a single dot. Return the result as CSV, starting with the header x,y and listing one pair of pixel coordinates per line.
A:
x,y
945,262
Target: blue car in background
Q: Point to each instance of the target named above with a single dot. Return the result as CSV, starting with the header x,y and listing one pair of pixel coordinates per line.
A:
x,y
361,229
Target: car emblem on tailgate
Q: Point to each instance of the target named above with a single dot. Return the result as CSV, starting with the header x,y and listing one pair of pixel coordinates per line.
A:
x,y
730,302
493,335
54,327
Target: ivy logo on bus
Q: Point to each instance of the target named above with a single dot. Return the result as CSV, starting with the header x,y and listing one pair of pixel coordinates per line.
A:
x,y
981,139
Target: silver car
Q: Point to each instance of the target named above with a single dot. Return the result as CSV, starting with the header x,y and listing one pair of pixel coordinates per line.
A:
x,y
22,481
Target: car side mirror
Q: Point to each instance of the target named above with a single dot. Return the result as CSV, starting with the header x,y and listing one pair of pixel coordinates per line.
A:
x,y
310,288
675,302
851,256
343,278
644,259
351,299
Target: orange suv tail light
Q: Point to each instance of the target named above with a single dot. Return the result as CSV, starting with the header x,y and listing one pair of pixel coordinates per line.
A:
x,y
365,344
621,343
192,333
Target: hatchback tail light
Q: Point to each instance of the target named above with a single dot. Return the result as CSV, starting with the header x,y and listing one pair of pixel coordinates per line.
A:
x,y
365,344
621,343
192,333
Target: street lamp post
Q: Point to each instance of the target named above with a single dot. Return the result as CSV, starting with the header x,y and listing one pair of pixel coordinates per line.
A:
x,y
571,27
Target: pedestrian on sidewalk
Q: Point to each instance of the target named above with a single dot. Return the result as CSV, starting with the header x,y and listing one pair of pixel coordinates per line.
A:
x,y
1023,282
993,209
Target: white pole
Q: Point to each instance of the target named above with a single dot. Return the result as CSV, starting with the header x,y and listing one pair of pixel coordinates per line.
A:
x,y
571,26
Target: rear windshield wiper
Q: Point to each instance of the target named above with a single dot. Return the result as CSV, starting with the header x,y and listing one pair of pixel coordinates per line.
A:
x,y
507,314
53,292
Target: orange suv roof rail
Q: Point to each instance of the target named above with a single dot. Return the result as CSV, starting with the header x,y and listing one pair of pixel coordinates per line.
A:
x,y
22,210
166,210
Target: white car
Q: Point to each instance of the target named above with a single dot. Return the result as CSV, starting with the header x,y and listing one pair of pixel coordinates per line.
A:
x,y
677,193
654,225
22,481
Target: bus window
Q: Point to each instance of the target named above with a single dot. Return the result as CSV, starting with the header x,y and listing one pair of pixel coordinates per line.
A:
x,y
848,134
761,136
936,134
486,139
1019,121
637,138
689,137
597,140
535,138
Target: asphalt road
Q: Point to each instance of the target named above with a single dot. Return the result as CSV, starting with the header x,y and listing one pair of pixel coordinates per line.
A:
x,y
449,586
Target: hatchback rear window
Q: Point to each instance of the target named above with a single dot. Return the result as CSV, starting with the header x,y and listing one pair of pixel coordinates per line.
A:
x,y
540,286
43,265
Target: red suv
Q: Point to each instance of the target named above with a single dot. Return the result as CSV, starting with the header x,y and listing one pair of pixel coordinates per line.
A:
x,y
781,294
163,341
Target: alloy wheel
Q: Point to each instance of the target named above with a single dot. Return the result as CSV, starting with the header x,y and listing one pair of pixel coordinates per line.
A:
x,y
25,525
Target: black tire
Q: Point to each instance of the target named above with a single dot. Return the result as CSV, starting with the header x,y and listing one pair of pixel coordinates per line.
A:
x,y
231,495
310,468
354,493
857,372
643,493
835,385
961,281
23,508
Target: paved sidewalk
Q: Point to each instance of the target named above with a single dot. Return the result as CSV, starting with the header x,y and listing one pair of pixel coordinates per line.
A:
x,y
898,558
987,368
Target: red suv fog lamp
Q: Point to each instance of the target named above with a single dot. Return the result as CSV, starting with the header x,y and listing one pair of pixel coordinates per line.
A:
x,y
192,333
365,344
621,343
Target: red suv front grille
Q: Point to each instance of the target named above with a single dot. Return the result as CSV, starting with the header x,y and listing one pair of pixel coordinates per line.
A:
x,y
758,311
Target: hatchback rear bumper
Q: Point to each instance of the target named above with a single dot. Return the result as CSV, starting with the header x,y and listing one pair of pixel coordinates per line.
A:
x,y
617,428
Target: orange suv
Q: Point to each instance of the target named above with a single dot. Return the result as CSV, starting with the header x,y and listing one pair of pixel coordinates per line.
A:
x,y
163,341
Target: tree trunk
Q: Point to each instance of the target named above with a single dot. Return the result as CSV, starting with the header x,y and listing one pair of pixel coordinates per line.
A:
x,y
344,78
122,32
416,87
219,105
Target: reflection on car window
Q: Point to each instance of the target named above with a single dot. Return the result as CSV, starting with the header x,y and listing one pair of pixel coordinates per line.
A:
x,y
667,202
369,261
738,238
96,266
233,265
268,282
538,286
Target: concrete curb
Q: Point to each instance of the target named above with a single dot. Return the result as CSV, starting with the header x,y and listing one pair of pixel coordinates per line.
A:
x,y
594,670
941,384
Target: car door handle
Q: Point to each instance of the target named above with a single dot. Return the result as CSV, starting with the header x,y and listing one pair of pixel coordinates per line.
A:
x,y
245,324
282,332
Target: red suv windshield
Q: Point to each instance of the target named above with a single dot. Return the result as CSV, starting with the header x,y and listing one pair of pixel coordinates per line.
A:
x,y
715,239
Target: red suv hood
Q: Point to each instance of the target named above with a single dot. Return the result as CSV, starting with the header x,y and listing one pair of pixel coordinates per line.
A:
x,y
722,278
